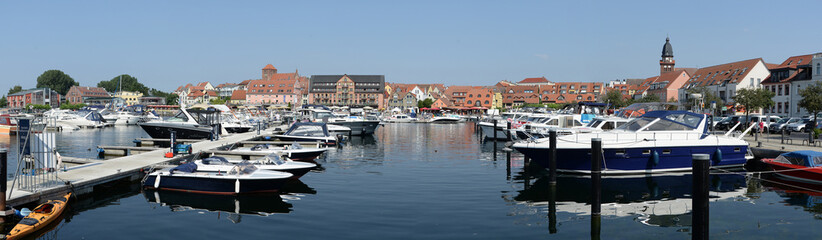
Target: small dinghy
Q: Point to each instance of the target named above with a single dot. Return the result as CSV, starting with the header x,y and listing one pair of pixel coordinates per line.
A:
x,y
241,178
39,217
272,162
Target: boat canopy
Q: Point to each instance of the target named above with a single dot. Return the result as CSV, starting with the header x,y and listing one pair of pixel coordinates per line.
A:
x,y
308,129
804,158
259,147
216,160
186,167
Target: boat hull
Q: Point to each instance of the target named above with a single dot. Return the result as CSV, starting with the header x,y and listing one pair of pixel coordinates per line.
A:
x,y
237,129
222,186
359,128
181,131
638,160
792,172
287,138
488,132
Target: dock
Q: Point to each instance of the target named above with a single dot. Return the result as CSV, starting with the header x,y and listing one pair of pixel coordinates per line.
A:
x,y
82,179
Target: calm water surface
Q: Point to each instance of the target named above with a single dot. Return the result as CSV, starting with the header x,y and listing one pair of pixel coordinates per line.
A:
x,y
428,181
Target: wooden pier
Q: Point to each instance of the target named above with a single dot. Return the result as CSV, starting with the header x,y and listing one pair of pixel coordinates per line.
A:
x,y
84,178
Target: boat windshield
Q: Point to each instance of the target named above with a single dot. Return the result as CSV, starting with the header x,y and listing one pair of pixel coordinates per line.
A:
x,y
307,131
274,159
321,115
671,122
594,123
243,168
179,117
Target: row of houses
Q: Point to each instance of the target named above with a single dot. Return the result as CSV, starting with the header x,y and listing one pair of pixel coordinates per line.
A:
x,y
79,94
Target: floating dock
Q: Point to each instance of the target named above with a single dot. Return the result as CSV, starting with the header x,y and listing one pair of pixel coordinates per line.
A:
x,y
82,179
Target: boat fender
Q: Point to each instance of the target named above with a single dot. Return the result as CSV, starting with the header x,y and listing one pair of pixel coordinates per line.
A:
x,y
157,197
157,181
717,155
655,157
289,154
237,186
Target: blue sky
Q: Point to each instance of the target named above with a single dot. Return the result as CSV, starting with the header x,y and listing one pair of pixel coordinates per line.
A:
x,y
169,43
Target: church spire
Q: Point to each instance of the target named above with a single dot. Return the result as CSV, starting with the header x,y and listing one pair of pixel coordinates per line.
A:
x,y
666,64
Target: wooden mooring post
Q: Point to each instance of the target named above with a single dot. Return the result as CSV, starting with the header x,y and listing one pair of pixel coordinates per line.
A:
x,y
4,154
701,165
552,156
596,187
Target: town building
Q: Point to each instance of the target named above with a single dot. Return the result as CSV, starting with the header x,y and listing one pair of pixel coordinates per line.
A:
x,y
226,90
39,96
347,90
470,96
130,98
238,97
795,70
275,88
665,86
725,80
78,94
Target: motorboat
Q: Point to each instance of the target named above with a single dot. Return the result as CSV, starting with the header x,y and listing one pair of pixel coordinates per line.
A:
x,y
6,126
308,132
187,124
353,125
401,118
446,118
659,141
294,152
240,179
78,119
800,166
121,117
271,162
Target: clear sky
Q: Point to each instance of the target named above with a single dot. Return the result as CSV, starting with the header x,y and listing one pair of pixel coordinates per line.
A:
x,y
166,44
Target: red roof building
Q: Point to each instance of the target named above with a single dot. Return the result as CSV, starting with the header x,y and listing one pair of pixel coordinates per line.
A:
x,y
76,94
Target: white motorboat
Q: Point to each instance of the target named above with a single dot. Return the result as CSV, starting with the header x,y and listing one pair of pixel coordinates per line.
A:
x,y
272,162
294,152
308,132
446,118
400,118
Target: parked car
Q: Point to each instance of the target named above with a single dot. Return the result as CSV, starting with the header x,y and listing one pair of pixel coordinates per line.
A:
x,y
717,120
779,126
810,125
768,120
798,126
731,122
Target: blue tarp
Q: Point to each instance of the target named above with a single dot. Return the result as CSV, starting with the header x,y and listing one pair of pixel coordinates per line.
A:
x,y
213,160
805,158
187,167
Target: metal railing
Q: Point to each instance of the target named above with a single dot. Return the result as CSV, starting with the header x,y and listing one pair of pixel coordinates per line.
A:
x,y
37,169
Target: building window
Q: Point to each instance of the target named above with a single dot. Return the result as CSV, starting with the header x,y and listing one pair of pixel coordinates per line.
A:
x,y
818,69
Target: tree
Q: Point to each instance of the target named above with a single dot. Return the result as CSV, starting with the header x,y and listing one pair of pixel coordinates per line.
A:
x,y
811,99
15,89
425,103
129,83
650,98
216,101
56,80
4,102
171,98
754,98
615,99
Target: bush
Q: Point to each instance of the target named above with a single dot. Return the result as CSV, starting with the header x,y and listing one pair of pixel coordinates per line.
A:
x,y
72,106
816,132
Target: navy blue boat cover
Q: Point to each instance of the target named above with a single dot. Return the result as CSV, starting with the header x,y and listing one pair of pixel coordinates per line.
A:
x,y
187,167
213,160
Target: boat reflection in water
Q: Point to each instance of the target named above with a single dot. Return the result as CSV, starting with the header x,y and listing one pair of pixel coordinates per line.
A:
x,y
805,195
654,200
235,206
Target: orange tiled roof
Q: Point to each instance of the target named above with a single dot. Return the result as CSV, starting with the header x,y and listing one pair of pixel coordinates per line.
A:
x,y
718,74
269,66
535,80
238,95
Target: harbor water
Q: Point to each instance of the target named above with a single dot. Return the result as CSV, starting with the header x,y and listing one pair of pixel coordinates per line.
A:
x,y
431,181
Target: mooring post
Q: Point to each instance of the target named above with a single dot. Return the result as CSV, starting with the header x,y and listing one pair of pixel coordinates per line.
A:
x,y
3,184
508,164
552,156
508,131
258,127
783,136
495,130
596,176
810,136
701,164
552,209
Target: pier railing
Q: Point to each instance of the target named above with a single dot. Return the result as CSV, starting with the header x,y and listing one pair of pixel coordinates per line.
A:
x,y
38,160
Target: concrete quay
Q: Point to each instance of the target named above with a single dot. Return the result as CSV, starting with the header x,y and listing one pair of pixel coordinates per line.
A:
x,y
82,179
771,145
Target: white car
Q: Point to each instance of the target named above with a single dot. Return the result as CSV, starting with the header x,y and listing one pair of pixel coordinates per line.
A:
x,y
798,126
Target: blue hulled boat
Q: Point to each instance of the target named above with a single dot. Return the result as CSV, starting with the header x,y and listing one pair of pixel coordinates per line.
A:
x,y
659,141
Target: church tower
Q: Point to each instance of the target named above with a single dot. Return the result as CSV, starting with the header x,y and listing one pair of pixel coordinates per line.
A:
x,y
269,71
666,64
